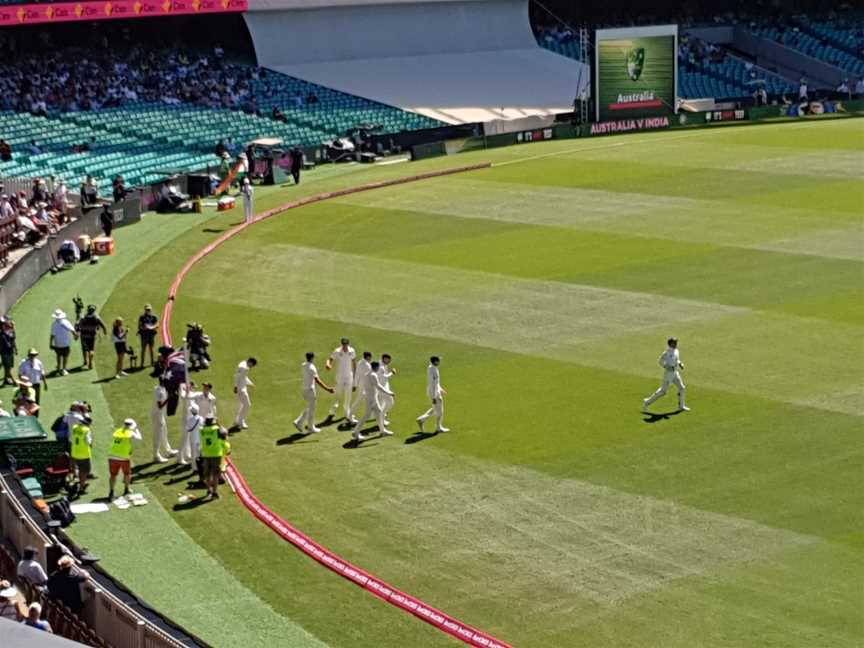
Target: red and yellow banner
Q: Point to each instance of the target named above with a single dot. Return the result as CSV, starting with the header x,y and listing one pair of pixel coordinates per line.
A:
x,y
34,14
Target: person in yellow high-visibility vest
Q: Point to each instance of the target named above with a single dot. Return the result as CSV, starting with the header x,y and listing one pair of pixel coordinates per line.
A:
x,y
120,455
81,451
212,450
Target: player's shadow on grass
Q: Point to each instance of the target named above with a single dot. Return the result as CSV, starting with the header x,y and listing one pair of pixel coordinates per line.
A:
x,y
138,473
356,444
417,437
297,437
213,230
656,418
192,504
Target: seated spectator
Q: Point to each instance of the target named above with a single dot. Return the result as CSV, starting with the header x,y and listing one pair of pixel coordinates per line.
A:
x,y
30,570
34,620
119,188
220,148
39,193
311,98
5,151
33,149
65,584
278,115
8,602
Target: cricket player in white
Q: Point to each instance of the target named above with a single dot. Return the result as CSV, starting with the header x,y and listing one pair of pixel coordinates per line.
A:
x,y
361,371
190,445
311,382
161,447
346,362
374,390
436,393
385,372
242,383
670,360
248,200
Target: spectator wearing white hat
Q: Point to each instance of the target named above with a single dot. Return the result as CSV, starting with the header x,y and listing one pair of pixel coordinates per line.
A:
x,y
120,455
62,334
8,601
33,369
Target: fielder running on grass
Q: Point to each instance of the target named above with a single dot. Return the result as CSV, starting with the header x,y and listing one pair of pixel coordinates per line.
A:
x,y
436,393
670,360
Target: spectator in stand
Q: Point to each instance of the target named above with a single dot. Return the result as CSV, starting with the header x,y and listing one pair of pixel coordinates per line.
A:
x,y
8,601
5,151
844,90
88,328
39,193
802,90
61,201
118,188
33,149
8,350
65,584
7,211
220,149
147,328
62,334
30,570
34,620
33,369
24,398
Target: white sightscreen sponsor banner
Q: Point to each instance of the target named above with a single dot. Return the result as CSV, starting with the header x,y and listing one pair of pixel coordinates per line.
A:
x,y
456,61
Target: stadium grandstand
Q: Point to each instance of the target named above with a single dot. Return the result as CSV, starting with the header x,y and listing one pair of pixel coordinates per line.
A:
x,y
254,168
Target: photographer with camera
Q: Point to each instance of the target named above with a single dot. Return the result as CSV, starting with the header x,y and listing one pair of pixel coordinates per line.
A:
x,y
88,327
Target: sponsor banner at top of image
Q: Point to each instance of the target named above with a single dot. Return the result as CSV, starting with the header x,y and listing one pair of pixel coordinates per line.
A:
x,y
32,14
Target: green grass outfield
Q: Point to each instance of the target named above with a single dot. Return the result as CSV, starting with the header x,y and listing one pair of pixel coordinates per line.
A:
x,y
554,514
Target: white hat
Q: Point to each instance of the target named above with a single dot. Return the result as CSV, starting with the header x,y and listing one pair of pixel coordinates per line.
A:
x,y
9,592
59,314
130,424
192,408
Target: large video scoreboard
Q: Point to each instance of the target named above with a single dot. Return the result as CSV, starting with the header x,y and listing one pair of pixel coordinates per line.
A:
x,y
636,72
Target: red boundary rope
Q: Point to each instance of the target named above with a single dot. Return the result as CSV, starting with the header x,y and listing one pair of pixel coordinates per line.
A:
x,y
386,592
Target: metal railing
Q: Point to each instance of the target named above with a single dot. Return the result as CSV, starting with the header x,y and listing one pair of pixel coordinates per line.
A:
x,y
111,619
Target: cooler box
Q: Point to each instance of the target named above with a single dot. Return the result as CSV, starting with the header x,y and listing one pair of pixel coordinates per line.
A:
x,y
225,203
103,246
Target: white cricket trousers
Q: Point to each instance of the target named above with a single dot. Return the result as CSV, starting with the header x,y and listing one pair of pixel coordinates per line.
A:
x,y
343,389
161,447
669,378
248,210
359,398
307,416
437,410
387,403
243,405
373,410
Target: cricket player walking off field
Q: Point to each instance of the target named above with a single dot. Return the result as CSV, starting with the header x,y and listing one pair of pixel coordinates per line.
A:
x,y
242,383
436,393
385,372
311,382
374,390
361,372
345,359
670,360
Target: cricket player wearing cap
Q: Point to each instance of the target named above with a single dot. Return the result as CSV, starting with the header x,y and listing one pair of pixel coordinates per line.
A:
x,y
436,394
385,372
190,444
373,390
311,382
670,360
31,367
242,383
161,447
345,359
362,371
120,455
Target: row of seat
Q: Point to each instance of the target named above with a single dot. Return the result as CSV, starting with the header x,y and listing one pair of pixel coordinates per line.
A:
x,y
812,46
